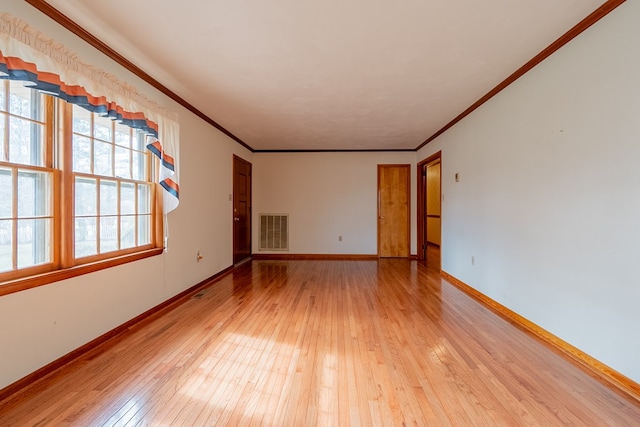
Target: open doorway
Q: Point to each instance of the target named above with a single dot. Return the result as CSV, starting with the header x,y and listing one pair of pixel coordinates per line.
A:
x,y
430,209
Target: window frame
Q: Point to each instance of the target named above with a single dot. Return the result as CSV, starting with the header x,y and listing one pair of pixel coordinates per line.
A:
x,y
58,160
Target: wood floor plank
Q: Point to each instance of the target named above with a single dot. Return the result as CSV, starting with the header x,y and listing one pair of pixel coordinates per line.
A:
x,y
308,342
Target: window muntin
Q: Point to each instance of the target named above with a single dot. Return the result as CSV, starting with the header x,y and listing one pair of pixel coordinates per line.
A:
x,y
22,124
34,218
110,215
104,147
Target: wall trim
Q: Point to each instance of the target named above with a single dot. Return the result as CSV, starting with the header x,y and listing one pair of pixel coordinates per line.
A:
x,y
337,150
581,26
597,369
294,257
76,29
160,309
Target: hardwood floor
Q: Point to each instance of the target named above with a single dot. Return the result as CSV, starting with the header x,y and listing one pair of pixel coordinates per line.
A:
x,y
298,343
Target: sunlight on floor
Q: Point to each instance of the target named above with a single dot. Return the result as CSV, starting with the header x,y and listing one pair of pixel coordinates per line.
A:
x,y
328,389
237,369
438,352
130,413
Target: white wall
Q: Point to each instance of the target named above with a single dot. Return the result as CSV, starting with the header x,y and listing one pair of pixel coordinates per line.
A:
x,y
39,325
326,195
548,201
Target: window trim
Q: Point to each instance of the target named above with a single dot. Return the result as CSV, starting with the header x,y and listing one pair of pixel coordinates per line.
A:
x,y
34,281
64,265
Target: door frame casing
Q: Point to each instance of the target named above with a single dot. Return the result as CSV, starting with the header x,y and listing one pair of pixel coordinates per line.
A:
x,y
421,214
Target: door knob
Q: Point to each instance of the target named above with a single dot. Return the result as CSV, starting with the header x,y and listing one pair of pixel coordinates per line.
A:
x,y
236,219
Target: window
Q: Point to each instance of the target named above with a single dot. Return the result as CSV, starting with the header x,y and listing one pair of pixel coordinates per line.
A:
x,y
76,188
111,185
26,180
78,191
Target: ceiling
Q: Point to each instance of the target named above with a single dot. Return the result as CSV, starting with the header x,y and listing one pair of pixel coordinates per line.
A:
x,y
328,74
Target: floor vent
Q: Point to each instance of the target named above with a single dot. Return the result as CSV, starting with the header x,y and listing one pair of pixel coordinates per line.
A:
x,y
274,232
200,294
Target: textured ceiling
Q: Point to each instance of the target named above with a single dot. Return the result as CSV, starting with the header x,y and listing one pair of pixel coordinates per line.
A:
x,y
324,74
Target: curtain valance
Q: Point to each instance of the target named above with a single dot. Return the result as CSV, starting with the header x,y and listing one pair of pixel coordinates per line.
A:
x,y
42,63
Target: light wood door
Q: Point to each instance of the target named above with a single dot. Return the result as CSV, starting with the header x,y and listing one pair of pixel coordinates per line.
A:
x,y
393,210
241,209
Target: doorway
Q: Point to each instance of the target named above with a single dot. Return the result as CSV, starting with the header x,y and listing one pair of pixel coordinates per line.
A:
x,y
241,210
430,209
393,211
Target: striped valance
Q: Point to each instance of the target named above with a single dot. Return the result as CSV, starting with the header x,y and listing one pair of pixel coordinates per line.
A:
x,y
29,56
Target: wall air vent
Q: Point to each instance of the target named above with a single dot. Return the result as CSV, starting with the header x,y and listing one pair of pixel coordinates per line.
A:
x,y
274,232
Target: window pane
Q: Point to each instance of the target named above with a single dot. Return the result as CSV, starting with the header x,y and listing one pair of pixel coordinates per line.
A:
x,y
102,128
123,162
144,230
85,196
81,121
81,154
102,158
85,237
140,141
108,197
128,232
33,194
2,96
144,198
108,234
3,117
138,166
6,193
6,249
127,198
34,242
25,142
123,135
24,102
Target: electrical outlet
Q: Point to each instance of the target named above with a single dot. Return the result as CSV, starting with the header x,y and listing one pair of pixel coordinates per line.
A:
x,y
473,260
339,238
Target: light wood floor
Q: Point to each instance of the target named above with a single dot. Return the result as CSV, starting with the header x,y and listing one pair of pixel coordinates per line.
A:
x,y
305,343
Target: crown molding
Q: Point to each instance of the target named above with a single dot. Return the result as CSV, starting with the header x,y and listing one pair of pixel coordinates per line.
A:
x,y
76,29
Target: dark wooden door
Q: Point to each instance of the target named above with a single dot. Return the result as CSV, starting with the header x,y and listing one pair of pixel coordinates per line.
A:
x,y
241,209
393,210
